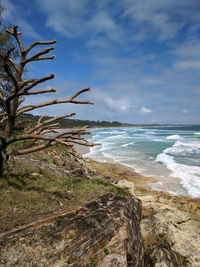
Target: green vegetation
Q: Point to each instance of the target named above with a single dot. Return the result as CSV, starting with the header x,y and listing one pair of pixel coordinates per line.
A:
x,y
49,160
72,123
29,191
93,262
106,251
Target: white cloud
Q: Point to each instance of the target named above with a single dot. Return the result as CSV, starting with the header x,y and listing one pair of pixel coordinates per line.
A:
x,y
121,105
185,110
105,36
14,16
101,22
187,64
81,19
161,19
189,49
145,110
152,81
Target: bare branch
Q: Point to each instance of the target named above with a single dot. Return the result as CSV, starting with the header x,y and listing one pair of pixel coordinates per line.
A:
x,y
30,143
48,131
40,119
39,43
39,124
13,64
37,56
53,102
44,58
80,92
80,102
2,98
30,150
33,84
20,101
13,100
16,35
40,147
38,92
49,128
25,82
37,81
30,136
10,74
81,143
56,101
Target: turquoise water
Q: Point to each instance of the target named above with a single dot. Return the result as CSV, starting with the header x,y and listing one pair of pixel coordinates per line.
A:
x,y
170,154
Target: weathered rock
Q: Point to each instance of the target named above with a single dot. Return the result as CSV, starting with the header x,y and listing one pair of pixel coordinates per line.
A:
x,y
78,237
130,186
170,230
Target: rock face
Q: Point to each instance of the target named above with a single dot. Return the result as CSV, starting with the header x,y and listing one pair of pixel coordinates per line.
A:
x,y
105,232
170,230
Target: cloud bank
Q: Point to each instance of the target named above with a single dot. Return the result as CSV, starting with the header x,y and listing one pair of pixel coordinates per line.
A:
x,y
141,58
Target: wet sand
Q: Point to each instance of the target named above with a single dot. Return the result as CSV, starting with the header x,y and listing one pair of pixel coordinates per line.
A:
x,y
81,149
115,170
119,172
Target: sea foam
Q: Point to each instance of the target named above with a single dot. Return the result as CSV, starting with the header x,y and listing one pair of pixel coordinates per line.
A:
x,y
173,137
178,149
128,144
183,148
188,175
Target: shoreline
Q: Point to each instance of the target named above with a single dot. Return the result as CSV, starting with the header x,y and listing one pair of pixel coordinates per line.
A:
x,y
116,170
122,171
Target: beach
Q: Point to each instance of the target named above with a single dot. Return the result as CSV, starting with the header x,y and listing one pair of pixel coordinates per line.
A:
x,y
115,170
170,156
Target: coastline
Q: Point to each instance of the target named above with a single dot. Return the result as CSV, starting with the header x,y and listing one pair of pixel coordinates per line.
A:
x,y
116,170
119,171
168,226
83,150
170,154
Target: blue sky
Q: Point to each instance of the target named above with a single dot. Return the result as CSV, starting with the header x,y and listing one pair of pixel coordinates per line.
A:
x,y
140,57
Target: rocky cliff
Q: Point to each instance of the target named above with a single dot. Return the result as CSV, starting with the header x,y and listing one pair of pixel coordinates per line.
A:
x,y
145,228
105,232
170,229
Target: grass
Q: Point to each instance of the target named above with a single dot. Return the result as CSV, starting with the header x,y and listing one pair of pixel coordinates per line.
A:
x,y
49,159
93,262
106,251
28,192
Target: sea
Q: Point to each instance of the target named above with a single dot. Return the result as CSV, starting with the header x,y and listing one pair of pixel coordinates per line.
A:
x,y
169,153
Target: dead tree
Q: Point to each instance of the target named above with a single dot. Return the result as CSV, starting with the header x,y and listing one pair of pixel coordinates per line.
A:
x,y
12,106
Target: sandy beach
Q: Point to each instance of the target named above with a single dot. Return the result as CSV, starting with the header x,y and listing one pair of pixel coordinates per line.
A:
x,y
81,149
116,170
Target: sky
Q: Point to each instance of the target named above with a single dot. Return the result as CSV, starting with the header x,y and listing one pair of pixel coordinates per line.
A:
x,y
141,58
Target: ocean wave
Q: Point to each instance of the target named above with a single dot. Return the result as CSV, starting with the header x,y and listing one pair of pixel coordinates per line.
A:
x,y
173,137
181,148
106,146
138,147
114,157
189,175
116,137
109,132
128,144
92,153
158,140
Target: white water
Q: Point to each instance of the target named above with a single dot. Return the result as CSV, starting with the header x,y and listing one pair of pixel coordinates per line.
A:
x,y
170,154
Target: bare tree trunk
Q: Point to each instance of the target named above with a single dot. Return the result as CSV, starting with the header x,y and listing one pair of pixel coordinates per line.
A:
x,y
3,147
1,164
15,97
9,126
